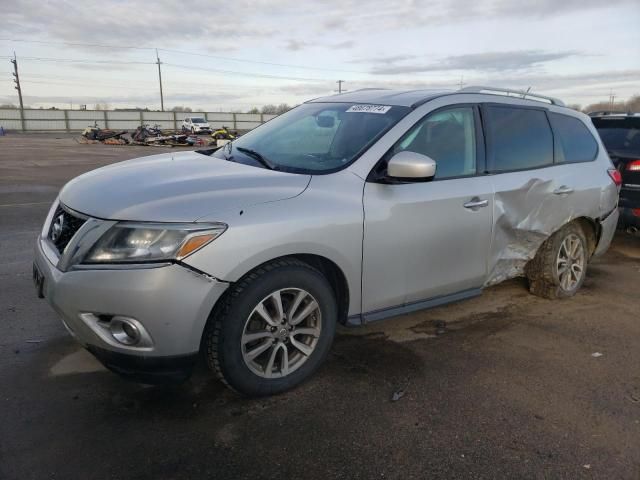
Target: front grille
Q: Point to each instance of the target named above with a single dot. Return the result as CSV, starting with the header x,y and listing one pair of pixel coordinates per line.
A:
x,y
64,226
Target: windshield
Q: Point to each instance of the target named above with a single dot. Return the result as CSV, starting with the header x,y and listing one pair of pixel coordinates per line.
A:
x,y
315,137
198,120
619,134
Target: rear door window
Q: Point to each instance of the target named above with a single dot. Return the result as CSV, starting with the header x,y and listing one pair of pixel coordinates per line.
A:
x,y
519,138
575,140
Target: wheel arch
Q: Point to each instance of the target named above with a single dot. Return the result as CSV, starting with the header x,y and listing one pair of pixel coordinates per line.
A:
x,y
330,269
591,229
336,278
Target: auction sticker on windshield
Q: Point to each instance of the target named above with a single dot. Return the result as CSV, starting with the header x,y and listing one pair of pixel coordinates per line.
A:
x,y
369,109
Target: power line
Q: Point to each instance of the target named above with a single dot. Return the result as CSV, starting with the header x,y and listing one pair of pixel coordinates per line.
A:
x,y
85,60
73,44
82,84
187,67
259,62
247,74
183,52
113,82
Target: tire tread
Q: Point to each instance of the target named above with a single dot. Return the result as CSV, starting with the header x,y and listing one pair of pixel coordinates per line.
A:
x,y
539,270
222,310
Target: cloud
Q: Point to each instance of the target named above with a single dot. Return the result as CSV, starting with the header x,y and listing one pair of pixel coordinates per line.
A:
x,y
394,42
296,45
564,85
384,59
547,8
345,44
489,61
132,22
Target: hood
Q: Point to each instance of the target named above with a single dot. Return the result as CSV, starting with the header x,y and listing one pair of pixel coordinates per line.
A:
x,y
176,187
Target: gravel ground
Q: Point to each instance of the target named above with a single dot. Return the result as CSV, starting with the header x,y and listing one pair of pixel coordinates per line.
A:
x,y
506,385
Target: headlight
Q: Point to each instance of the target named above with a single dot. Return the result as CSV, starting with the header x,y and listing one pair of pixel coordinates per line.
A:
x,y
152,242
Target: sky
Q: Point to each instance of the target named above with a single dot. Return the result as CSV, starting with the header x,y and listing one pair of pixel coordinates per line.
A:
x,y
224,56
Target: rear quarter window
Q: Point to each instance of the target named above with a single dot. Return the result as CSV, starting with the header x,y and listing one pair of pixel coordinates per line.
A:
x,y
576,144
520,138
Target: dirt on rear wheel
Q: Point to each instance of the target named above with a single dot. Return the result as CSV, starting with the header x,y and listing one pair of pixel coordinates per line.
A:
x,y
559,268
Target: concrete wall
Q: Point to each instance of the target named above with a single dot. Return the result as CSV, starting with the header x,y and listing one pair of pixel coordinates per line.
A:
x,y
36,120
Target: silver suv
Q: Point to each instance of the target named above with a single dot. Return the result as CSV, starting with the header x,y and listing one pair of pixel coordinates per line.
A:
x,y
347,209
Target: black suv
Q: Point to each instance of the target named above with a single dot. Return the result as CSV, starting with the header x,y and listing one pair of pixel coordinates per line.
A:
x,y
620,133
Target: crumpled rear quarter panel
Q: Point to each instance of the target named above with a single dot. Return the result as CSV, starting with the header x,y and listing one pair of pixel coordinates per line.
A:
x,y
527,212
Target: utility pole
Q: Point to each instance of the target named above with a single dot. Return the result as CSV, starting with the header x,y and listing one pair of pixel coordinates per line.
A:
x,y
160,78
340,82
461,83
612,98
17,87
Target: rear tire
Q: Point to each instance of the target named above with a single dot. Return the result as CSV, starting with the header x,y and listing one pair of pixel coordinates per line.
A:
x,y
263,313
560,266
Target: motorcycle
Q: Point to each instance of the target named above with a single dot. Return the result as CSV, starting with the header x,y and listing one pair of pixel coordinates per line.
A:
x,y
223,135
104,135
147,135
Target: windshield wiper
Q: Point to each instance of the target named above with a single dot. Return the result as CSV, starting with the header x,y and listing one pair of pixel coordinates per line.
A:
x,y
258,156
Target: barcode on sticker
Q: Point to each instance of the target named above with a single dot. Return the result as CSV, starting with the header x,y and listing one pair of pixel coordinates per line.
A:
x,y
369,109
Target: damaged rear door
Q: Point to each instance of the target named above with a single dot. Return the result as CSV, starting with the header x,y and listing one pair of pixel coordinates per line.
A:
x,y
537,189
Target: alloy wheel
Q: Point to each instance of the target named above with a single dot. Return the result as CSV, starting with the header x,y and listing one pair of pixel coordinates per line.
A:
x,y
281,333
570,262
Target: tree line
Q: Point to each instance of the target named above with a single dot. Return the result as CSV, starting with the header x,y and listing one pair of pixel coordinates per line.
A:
x,y
630,105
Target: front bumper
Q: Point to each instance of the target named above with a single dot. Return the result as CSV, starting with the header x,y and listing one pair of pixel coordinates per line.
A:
x,y
171,302
150,370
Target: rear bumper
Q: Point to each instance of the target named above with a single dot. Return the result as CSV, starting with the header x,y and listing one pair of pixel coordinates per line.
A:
x,y
608,229
630,217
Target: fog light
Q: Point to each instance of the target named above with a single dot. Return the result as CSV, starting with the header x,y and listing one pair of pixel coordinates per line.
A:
x,y
124,331
119,331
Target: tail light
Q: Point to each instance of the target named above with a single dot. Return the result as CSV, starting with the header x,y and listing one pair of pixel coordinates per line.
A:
x,y
634,166
615,175
635,212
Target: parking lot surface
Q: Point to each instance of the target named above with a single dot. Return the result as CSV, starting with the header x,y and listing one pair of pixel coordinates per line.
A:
x,y
506,385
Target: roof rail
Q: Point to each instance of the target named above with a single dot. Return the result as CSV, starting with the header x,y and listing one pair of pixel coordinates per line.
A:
x,y
506,92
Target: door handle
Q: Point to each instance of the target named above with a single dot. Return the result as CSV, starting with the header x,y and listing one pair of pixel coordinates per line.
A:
x,y
475,203
563,190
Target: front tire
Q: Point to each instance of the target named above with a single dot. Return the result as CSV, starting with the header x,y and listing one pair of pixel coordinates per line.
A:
x,y
560,266
273,328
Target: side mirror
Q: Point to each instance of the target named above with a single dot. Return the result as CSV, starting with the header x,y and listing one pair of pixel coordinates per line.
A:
x,y
325,121
411,165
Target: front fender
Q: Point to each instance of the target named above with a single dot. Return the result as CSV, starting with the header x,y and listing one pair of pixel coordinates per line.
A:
x,y
326,220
